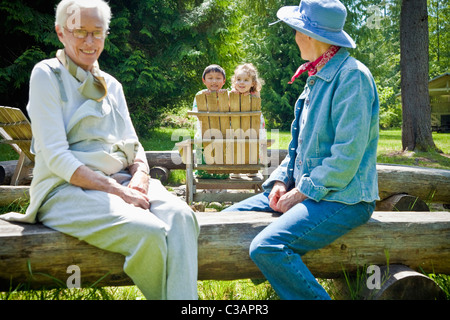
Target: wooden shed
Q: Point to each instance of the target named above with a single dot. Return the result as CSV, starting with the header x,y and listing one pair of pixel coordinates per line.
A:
x,y
439,89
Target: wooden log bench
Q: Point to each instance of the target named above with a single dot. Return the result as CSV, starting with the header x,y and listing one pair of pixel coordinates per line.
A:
x,y
34,255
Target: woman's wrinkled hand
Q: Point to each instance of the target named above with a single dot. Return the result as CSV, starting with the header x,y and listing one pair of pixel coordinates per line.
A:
x,y
134,197
290,199
281,200
140,182
278,190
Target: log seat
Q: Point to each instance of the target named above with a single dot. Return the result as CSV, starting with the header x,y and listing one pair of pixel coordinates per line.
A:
x,y
36,255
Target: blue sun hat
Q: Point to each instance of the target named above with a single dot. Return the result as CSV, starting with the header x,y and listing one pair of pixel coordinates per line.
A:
x,y
322,20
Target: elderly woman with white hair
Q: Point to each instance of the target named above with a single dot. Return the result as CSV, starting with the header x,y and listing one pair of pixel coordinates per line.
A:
x,y
91,174
327,184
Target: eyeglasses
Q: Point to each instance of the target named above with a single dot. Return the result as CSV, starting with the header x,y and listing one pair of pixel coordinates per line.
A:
x,y
82,34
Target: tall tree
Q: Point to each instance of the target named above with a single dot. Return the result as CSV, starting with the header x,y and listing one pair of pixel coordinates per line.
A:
x,y
416,126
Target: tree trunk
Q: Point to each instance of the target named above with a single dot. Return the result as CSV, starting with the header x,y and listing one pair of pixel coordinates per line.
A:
x,y
416,126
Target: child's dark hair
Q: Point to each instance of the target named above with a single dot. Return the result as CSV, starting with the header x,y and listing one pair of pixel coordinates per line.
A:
x,y
214,68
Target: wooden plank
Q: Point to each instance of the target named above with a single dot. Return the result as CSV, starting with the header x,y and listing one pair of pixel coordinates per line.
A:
x,y
227,197
225,124
429,184
227,183
219,114
236,168
204,121
255,127
213,153
235,105
246,128
417,240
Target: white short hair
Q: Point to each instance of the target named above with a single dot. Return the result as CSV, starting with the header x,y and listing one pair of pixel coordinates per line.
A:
x,y
68,8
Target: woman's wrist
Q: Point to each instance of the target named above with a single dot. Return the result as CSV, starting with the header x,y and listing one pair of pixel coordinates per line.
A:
x,y
138,166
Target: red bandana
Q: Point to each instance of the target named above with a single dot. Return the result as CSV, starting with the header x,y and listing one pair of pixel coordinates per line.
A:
x,y
312,66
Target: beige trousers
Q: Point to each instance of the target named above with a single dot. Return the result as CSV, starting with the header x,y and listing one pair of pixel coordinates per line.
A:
x,y
160,245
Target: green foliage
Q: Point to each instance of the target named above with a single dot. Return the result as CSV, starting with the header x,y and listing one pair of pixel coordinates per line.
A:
x,y
272,49
27,37
390,108
439,37
158,50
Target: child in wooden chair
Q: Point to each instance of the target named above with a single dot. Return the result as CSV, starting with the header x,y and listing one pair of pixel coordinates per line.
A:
x,y
214,78
246,81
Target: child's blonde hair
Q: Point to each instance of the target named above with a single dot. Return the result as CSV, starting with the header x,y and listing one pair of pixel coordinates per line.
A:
x,y
250,69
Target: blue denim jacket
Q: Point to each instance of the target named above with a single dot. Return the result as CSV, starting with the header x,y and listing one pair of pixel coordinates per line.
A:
x,y
335,154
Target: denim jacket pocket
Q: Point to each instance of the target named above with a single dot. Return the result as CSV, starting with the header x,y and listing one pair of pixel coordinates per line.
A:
x,y
312,163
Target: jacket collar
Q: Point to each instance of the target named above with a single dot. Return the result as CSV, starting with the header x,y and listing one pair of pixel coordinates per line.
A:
x,y
328,72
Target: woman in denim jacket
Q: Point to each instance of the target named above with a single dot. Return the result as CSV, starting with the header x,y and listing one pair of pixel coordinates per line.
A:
x,y
327,184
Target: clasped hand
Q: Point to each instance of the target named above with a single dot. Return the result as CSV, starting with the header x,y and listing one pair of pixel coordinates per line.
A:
x,y
281,200
140,183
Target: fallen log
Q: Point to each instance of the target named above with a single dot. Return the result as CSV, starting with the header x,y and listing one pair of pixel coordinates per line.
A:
x,y
7,170
402,202
402,283
389,282
160,173
36,255
14,194
430,185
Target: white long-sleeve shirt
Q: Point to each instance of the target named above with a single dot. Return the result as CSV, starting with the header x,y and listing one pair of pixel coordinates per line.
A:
x,y
63,137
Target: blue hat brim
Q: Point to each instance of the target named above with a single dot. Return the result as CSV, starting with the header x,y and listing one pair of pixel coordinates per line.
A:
x,y
291,16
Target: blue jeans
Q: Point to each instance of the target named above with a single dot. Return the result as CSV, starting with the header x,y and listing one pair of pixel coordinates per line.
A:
x,y
310,225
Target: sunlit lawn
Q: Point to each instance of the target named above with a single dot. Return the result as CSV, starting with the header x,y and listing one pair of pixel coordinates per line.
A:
x,y
390,146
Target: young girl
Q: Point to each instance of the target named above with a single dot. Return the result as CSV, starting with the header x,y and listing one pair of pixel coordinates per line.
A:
x,y
246,81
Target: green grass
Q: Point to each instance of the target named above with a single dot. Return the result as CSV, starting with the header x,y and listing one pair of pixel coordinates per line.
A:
x,y
390,146
162,139
7,153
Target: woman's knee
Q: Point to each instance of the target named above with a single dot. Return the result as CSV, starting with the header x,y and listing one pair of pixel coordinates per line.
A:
x,y
260,247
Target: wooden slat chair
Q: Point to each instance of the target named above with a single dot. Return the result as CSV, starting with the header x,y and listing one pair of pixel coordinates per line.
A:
x,y
15,129
229,143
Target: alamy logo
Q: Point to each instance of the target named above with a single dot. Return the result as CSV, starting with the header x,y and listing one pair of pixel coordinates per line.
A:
x,y
74,281
73,18
374,280
374,20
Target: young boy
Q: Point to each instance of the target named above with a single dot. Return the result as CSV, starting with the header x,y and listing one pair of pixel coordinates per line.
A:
x,y
213,78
